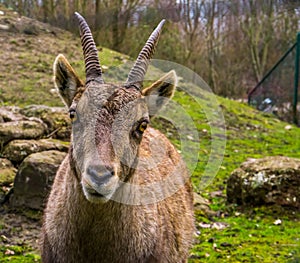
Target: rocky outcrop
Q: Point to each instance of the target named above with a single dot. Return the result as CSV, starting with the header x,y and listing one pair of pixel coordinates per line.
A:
x,y
266,181
33,143
34,179
32,122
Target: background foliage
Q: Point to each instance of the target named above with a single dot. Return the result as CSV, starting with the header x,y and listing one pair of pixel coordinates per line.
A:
x,y
231,44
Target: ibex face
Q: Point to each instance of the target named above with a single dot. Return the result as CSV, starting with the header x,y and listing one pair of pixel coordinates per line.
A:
x,y
108,121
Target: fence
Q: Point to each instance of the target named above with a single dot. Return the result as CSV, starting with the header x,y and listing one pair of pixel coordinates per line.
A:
x,y
277,92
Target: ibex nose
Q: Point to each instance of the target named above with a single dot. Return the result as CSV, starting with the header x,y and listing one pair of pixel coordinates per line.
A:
x,y
100,174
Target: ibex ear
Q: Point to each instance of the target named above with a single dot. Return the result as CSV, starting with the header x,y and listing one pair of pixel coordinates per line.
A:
x,y
160,92
65,79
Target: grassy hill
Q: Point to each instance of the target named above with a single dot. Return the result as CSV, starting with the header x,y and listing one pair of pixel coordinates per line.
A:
x,y
28,49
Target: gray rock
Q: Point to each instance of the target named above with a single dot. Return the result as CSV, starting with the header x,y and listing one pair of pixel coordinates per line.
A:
x,y
7,172
56,119
201,206
266,181
17,150
26,129
34,179
10,114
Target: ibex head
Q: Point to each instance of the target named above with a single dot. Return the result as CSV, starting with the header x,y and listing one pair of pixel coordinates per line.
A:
x,y
108,121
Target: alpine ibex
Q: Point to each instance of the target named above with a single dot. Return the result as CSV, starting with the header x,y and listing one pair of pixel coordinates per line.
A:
x,y
123,193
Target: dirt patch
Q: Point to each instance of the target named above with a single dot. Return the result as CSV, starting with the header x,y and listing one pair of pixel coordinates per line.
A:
x,y
18,229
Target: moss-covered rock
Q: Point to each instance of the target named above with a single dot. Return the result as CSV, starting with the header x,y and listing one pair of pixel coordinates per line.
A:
x,y
34,179
56,119
7,172
25,129
17,150
266,181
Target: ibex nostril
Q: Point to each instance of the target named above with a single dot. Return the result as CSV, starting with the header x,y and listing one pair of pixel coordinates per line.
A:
x,y
100,174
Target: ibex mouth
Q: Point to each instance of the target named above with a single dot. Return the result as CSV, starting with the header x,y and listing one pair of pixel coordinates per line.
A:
x,y
95,197
94,193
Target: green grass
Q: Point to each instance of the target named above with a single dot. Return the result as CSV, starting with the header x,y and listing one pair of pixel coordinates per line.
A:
x,y
250,237
18,254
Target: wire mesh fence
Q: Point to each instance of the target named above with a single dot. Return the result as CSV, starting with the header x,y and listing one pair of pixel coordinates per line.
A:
x,y
277,92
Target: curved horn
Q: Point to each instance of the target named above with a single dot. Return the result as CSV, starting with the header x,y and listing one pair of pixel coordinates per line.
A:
x,y
138,71
92,65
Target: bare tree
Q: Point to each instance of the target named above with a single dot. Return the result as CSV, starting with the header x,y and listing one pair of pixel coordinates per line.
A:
x,y
117,16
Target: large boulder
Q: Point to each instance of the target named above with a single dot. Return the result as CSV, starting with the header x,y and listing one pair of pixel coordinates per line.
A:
x,y
56,119
25,129
34,179
17,150
266,181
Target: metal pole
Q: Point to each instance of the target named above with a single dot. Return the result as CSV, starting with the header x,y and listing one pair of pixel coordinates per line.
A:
x,y
296,83
271,71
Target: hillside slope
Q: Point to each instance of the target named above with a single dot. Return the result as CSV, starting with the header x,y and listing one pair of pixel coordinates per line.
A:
x,y
28,49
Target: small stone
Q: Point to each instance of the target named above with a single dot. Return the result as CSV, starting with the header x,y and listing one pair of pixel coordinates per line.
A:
x,y
4,238
204,225
277,222
219,225
9,252
190,137
4,27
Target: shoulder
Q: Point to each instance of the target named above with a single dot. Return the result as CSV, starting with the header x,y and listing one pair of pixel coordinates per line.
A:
x,y
156,143
158,156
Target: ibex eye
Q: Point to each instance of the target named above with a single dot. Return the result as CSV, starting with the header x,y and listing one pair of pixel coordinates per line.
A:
x,y
142,127
73,115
